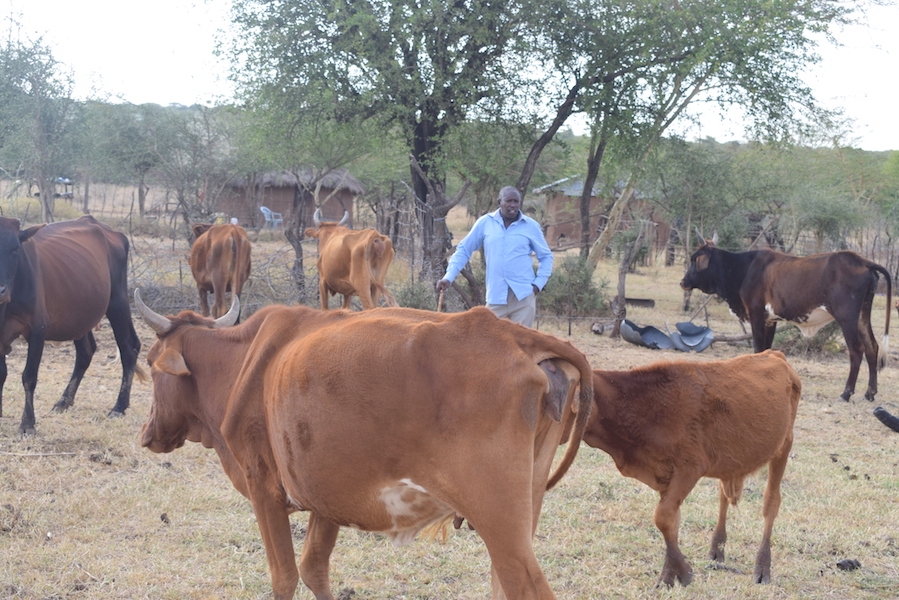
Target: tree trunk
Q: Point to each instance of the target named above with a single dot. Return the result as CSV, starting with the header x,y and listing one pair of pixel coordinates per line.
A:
x,y
594,160
294,232
627,257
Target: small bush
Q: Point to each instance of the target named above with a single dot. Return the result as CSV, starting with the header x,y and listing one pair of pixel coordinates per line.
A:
x,y
827,342
571,290
417,295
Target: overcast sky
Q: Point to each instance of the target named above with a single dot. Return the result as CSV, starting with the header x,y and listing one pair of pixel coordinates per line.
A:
x,y
161,51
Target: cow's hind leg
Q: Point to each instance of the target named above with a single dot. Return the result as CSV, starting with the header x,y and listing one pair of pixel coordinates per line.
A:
x,y
204,301
770,508
85,347
871,350
515,573
856,348
321,535
667,519
119,315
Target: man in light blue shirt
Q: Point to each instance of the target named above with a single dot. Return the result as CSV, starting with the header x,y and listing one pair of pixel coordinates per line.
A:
x,y
508,238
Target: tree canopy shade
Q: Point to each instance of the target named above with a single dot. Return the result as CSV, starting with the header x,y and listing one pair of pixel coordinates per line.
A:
x,y
421,67
37,113
427,68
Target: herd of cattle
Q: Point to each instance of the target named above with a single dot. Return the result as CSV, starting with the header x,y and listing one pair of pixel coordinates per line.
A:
x,y
436,417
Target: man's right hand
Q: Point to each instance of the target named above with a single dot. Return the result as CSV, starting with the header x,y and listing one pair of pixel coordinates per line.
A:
x,y
443,284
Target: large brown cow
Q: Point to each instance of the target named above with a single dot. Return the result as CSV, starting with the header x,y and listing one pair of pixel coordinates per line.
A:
x,y
765,286
387,420
220,262
671,423
351,262
56,283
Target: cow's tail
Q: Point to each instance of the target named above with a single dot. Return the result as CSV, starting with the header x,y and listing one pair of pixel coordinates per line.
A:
x,y
885,343
585,403
374,254
886,418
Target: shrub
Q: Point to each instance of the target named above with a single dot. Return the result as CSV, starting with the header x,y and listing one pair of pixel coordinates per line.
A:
x,y
571,290
827,342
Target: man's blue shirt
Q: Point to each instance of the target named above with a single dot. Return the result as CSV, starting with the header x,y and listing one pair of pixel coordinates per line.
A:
x,y
507,252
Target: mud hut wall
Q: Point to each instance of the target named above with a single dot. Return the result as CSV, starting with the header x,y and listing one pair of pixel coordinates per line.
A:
x,y
563,220
243,204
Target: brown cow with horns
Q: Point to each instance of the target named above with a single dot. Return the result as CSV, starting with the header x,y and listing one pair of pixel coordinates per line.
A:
x,y
351,262
56,282
220,260
671,423
765,286
378,420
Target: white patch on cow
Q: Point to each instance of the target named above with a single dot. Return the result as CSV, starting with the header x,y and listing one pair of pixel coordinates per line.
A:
x,y
411,508
809,324
294,504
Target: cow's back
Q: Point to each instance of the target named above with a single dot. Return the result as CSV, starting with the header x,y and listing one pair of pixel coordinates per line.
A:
x,y
413,399
76,263
682,409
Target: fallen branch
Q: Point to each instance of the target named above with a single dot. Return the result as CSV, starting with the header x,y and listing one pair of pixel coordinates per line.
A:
x,y
732,338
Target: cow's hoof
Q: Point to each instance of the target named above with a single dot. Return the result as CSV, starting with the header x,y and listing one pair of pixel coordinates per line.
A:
x,y
869,397
26,431
60,407
114,414
844,398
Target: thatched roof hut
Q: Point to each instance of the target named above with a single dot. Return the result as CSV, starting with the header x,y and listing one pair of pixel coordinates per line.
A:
x,y
284,191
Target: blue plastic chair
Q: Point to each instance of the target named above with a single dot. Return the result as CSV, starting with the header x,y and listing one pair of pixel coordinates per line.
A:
x,y
272,219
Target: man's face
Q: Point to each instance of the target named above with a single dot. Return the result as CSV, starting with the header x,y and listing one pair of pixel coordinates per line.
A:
x,y
509,204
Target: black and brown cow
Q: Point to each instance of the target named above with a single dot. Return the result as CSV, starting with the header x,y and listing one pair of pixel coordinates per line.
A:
x,y
671,423
56,283
766,286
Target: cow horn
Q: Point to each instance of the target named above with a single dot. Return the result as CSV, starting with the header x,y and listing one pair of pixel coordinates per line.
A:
x,y
316,218
346,217
229,318
156,321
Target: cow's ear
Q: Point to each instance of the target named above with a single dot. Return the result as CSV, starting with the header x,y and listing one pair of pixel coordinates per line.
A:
x,y
313,233
702,262
201,228
27,233
171,362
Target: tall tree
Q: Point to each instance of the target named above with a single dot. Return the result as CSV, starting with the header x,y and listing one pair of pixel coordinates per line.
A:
x,y
422,67
36,105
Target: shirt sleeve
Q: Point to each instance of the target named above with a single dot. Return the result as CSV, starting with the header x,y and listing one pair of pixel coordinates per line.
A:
x,y
470,244
544,258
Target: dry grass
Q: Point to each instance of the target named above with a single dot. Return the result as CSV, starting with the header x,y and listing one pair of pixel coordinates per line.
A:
x,y
86,513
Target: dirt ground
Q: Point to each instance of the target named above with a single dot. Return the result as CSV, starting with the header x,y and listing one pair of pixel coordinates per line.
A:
x,y
86,513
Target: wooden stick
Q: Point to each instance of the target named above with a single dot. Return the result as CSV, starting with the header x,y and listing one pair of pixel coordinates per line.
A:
x,y
440,302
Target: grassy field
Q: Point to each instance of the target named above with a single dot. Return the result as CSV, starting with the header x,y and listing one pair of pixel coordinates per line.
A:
x,y
86,513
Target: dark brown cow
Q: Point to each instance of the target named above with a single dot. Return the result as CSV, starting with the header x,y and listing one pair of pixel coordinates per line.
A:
x,y
380,420
220,262
351,262
764,287
670,424
56,283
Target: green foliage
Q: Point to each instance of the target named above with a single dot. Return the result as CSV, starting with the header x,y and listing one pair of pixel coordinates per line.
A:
x,y
416,295
572,291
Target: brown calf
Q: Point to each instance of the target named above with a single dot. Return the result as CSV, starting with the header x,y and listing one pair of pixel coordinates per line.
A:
x,y
351,262
671,423
220,263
